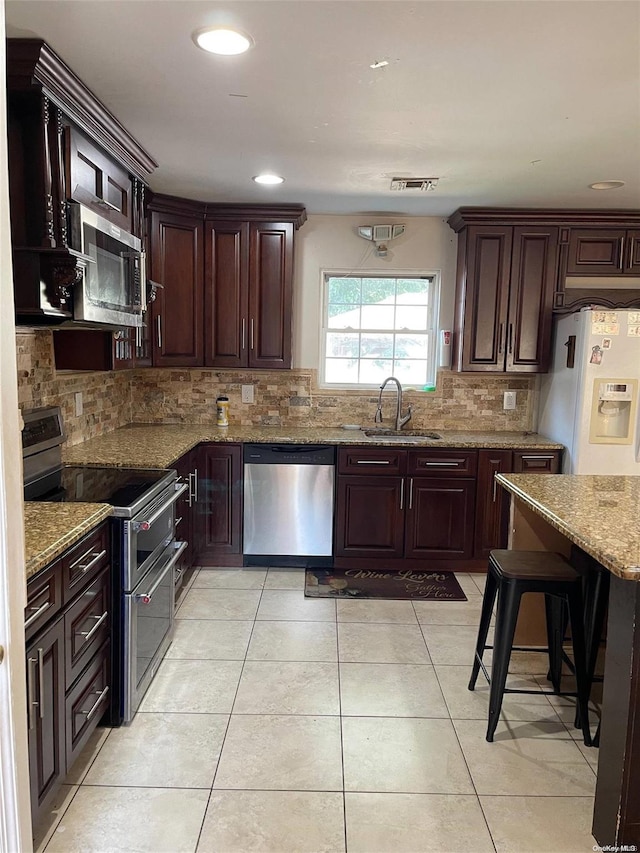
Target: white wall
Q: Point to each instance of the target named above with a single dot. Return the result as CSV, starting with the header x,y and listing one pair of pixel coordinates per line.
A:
x,y
332,242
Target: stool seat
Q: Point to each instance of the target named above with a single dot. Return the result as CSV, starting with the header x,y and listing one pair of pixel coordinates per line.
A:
x,y
510,575
533,565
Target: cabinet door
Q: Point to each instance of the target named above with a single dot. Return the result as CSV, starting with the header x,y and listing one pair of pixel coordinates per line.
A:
x,y
270,294
227,294
177,265
486,294
594,251
45,706
94,179
491,503
440,515
186,467
633,258
533,274
369,516
219,504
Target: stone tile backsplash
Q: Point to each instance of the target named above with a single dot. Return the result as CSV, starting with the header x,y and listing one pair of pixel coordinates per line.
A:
x,y
282,398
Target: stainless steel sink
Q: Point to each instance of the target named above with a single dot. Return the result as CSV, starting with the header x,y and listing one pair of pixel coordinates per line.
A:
x,y
400,435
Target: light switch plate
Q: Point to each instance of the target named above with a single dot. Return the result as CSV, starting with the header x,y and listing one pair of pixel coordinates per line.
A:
x,y
78,399
509,400
247,394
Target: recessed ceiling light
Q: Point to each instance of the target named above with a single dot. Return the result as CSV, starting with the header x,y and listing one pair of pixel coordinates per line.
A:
x,y
606,185
222,40
268,179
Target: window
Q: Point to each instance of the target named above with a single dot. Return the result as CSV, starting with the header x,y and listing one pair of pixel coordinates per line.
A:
x,y
377,326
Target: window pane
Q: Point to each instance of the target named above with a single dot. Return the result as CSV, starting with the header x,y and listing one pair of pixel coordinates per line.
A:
x,y
376,346
378,317
344,317
412,346
377,289
414,317
411,372
374,371
343,344
344,289
413,291
342,370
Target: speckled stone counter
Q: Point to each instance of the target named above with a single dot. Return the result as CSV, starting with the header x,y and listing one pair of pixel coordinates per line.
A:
x,y
51,528
159,446
600,514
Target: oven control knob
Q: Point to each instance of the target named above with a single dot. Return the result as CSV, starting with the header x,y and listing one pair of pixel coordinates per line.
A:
x,y
144,599
141,525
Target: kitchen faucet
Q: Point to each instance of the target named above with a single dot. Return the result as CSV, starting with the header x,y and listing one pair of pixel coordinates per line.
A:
x,y
401,419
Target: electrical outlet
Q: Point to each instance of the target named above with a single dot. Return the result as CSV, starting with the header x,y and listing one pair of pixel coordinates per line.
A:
x,y
509,401
247,394
78,399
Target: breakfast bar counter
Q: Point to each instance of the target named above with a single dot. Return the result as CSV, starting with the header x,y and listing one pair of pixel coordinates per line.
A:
x,y
598,516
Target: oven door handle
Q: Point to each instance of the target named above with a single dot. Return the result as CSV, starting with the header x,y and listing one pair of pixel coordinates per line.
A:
x,y
145,525
145,597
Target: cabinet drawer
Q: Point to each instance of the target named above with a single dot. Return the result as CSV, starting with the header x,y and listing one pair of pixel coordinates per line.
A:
x,y
373,460
44,598
528,461
87,702
87,624
85,561
437,463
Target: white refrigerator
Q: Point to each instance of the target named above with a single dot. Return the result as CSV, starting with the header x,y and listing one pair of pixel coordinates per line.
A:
x,y
592,407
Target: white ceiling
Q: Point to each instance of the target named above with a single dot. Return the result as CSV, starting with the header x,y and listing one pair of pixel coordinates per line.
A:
x,y
508,102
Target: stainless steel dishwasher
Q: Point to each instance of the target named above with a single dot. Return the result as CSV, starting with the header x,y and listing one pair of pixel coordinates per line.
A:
x,y
288,504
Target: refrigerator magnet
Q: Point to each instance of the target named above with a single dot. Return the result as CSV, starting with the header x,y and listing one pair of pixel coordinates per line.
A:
x,y
606,343
596,355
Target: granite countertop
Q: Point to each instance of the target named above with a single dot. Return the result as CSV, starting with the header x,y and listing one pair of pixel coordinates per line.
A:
x,y
599,513
160,446
51,528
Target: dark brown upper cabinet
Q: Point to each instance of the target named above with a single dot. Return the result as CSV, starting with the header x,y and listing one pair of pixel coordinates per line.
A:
x,y
505,285
235,295
604,251
177,265
63,144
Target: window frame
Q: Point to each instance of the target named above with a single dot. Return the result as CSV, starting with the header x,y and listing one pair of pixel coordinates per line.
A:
x,y
432,316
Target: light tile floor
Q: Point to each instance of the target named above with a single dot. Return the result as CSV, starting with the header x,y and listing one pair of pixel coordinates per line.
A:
x,y
278,724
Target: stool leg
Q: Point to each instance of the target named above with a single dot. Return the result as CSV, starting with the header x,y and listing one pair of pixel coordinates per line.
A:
x,y
488,600
596,609
555,612
506,618
576,616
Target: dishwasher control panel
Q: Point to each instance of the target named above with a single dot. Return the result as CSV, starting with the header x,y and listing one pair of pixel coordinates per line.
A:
x,y
289,454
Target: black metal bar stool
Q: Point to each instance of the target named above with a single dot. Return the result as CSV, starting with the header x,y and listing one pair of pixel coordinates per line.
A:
x,y
510,575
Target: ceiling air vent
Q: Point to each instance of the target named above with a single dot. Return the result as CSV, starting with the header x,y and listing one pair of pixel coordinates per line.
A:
x,y
422,184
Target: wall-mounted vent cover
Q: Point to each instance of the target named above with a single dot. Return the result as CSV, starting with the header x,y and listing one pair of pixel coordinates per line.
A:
x,y
420,184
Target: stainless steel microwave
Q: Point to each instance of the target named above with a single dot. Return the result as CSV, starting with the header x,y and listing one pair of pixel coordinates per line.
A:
x,y
112,290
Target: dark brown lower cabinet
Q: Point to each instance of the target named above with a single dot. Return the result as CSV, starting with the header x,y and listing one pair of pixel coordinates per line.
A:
x,y
369,517
186,516
492,502
439,518
68,661
219,506
46,714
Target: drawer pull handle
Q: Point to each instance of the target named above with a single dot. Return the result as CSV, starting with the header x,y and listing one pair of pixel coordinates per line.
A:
x,y
410,492
36,612
31,687
89,634
41,681
95,558
402,494
373,462
538,457
177,521
442,464
100,694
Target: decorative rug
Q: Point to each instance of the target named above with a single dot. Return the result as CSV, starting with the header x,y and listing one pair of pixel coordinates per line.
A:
x,y
378,583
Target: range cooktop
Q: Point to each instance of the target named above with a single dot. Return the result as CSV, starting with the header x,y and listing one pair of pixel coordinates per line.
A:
x,y
123,488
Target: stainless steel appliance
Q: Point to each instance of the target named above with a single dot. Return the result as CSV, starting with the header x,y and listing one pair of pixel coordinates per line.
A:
x,y
288,504
113,285
144,548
